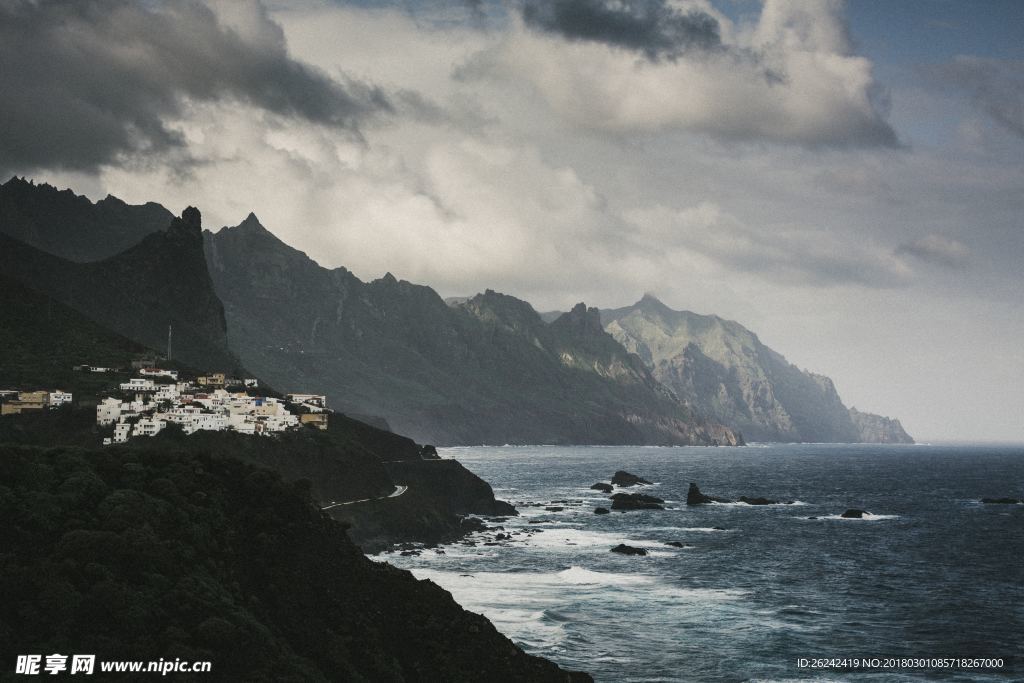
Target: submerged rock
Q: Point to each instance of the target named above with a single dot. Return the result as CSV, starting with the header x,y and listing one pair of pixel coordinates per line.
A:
x,y
624,549
601,511
695,497
623,478
675,544
854,513
636,501
603,487
1001,501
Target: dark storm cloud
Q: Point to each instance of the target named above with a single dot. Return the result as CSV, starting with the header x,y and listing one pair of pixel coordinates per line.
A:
x,y
651,27
996,86
86,82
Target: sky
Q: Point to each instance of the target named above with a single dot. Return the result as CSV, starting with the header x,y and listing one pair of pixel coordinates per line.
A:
x,y
846,180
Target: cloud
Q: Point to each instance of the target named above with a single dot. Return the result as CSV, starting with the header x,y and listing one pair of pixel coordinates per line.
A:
x,y
936,250
788,256
788,77
652,27
89,82
996,87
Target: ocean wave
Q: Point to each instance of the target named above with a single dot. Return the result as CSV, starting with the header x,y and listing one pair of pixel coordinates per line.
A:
x,y
868,517
740,503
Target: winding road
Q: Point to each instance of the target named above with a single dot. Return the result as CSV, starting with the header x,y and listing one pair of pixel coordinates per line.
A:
x,y
399,490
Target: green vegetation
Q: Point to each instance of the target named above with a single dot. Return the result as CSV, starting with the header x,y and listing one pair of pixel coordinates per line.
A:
x,y
179,553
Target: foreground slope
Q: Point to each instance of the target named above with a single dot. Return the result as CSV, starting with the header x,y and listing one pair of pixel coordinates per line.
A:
x,y
489,371
184,554
724,370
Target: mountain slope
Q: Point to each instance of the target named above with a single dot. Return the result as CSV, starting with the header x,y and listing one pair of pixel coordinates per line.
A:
x,y
486,371
41,340
724,371
159,283
70,226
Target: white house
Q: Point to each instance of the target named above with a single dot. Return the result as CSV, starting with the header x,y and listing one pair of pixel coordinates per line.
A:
x,y
59,398
122,431
148,427
158,372
108,411
138,384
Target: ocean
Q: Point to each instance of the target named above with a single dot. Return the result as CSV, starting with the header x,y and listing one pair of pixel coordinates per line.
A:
x,y
757,593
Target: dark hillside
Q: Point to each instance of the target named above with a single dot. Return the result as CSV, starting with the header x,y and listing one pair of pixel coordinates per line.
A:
x,y
183,554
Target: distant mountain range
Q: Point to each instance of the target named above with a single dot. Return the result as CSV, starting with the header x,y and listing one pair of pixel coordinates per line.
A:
x,y
486,369
725,372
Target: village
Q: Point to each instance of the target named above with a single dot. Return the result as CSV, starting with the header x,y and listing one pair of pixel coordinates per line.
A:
x,y
145,405
214,402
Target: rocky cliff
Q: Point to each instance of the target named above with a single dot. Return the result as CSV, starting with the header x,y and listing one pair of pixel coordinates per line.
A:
x,y
724,371
162,282
879,429
486,371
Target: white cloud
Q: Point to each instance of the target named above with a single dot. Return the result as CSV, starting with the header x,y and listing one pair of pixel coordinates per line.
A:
x,y
789,78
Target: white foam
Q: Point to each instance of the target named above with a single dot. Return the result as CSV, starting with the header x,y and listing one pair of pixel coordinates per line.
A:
x,y
868,517
703,529
740,503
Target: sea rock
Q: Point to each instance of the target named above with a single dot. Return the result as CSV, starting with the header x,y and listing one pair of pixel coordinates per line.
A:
x,y
1001,501
554,508
758,501
624,549
854,513
695,497
601,511
636,501
623,478
603,487
675,544
470,524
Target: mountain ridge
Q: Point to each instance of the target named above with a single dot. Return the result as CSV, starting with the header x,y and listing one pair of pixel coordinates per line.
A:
x,y
487,370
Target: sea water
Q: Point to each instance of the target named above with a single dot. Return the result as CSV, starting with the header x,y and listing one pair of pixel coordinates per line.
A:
x,y
930,573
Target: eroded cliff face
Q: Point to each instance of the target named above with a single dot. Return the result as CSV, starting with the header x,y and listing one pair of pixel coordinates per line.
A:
x,y
724,371
879,429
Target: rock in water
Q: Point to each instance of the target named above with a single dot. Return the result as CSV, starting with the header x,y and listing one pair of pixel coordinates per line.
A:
x,y
624,549
758,501
854,513
623,478
601,511
636,501
675,544
1001,501
695,497
603,487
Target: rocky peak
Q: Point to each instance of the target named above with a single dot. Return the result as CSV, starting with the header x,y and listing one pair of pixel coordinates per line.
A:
x,y
187,228
251,222
581,320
